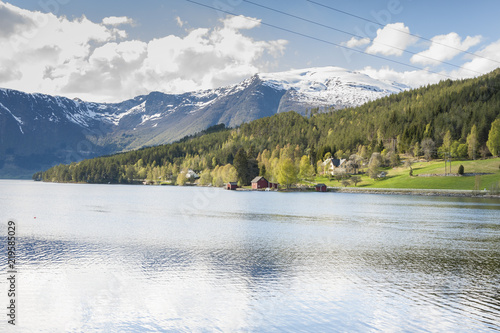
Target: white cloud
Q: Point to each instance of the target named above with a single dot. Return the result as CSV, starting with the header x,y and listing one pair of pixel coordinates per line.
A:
x,y
392,40
180,23
115,20
240,22
488,60
205,58
44,49
12,22
357,42
413,79
95,61
444,47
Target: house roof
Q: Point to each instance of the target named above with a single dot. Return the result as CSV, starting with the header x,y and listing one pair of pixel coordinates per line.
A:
x,y
256,179
320,185
233,183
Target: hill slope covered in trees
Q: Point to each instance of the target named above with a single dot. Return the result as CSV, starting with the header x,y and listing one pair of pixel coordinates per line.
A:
x,y
452,116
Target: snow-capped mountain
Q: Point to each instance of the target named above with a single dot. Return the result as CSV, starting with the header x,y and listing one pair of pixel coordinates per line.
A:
x,y
38,131
327,87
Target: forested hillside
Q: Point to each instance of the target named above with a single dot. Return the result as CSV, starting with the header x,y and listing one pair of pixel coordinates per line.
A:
x,y
450,117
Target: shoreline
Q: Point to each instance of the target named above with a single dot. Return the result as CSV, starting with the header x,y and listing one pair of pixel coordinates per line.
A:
x,y
356,190
392,191
419,192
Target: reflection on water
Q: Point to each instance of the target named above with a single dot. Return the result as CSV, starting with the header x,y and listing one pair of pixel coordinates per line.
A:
x,y
134,258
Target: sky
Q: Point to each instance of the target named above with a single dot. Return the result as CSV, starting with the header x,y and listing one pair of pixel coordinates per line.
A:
x,y
110,51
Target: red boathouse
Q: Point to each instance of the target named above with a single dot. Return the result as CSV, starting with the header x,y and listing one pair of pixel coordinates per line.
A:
x,y
320,188
259,182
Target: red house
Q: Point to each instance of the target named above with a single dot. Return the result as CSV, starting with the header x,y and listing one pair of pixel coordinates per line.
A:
x,y
259,182
320,188
231,186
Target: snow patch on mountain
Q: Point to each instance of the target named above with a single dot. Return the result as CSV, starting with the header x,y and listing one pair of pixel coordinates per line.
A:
x,y
330,86
17,119
146,118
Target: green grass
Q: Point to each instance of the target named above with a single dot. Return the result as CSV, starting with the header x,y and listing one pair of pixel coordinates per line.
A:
x,y
400,178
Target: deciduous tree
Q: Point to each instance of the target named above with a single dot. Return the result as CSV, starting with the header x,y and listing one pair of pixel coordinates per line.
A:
x,y
306,170
287,174
346,182
355,180
446,146
374,165
493,142
428,148
472,143
205,177
181,178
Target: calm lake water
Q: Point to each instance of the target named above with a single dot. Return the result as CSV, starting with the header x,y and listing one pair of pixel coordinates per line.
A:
x,y
183,259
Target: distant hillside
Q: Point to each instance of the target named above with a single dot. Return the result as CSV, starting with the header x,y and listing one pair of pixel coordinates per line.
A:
x,y
396,123
38,131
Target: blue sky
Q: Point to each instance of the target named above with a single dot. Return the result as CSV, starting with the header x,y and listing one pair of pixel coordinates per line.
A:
x,y
113,50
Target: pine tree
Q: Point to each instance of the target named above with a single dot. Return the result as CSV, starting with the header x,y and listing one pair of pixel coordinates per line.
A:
x,y
240,162
262,170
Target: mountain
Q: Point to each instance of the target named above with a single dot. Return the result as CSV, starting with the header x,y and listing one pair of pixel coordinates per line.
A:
x,y
446,117
327,87
38,131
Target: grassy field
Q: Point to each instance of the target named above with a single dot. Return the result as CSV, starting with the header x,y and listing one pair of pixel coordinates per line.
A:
x,y
400,178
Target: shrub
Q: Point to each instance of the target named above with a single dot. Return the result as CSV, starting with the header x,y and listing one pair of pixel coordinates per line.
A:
x,y
346,182
461,169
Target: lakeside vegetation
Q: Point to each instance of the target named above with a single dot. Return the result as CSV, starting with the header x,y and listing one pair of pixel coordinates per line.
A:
x,y
399,178
452,119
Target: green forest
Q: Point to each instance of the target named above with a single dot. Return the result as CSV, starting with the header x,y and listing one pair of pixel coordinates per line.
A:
x,y
460,119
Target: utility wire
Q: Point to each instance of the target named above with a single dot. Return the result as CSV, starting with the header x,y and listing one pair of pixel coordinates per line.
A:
x,y
358,36
321,40
402,31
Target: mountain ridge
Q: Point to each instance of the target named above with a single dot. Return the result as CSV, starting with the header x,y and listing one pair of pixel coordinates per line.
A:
x,y
39,130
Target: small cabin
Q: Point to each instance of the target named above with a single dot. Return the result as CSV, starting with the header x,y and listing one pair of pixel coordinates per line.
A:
x,y
231,186
259,182
320,188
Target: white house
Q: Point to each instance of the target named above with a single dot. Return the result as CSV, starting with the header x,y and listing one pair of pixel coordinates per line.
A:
x,y
335,166
192,175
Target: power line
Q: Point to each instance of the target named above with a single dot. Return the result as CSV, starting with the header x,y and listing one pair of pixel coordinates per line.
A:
x,y
402,31
321,40
358,36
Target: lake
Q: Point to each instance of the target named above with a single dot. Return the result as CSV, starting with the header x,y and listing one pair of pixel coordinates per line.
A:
x,y
118,258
